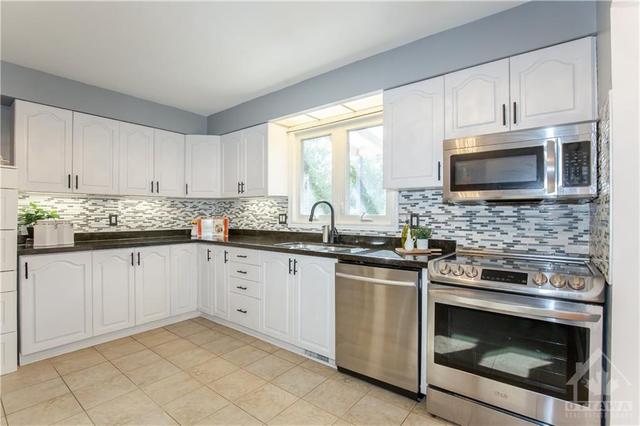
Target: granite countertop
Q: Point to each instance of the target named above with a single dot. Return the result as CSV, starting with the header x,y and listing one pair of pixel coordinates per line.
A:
x,y
379,249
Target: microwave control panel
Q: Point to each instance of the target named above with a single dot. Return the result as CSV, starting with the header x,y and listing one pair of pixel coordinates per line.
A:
x,y
576,164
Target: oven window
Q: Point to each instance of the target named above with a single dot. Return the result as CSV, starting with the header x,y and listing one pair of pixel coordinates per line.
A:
x,y
531,354
520,168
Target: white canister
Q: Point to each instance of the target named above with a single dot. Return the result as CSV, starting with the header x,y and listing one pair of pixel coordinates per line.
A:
x,y
45,233
65,232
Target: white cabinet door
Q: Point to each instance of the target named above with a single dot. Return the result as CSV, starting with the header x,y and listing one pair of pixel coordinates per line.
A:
x,y
153,283
55,300
277,296
230,147
206,279
220,282
253,173
315,305
43,138
202,166
168,164
96,155
555,85
413,134
184,279
136,160
114,306
477,100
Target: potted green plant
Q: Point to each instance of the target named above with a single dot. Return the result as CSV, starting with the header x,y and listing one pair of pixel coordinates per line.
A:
x,y
33,213
422,235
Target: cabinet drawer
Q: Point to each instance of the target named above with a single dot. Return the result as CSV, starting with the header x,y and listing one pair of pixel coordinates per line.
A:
x,y
8,247
245,256
8,312
8,177
8,352
248,288
244,310
8,209
244,271
8,281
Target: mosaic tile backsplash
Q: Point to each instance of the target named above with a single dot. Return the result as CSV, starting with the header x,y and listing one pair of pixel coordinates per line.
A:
x,y
541,228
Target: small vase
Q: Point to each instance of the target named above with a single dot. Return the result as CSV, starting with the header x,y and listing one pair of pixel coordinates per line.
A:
x,y
30,232
422,244
408,244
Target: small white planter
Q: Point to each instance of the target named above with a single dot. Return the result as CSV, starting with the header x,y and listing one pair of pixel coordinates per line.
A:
x,y
422,244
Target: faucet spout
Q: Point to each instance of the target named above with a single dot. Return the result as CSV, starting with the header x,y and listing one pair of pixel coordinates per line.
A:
x,y
333,233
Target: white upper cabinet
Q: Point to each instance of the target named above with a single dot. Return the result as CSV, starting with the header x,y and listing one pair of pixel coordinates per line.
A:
x,y
555,85
254,162
168,164
477,100
184,284
277,299
96,155
113,290
136,159
413,135
153,283
202,166
43,143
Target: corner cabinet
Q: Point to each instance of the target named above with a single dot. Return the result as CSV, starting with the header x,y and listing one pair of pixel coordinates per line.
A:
x,y
55,300
153,285
202,166
254,162
184,279
413,135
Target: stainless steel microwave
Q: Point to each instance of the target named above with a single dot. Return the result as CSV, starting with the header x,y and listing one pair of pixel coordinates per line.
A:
x,y
551,163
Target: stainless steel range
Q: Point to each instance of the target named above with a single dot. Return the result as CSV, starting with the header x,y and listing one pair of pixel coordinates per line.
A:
x,y
514,338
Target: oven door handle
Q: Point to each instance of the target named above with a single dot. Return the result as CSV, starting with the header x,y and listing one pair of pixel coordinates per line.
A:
x,y
375,280
501,307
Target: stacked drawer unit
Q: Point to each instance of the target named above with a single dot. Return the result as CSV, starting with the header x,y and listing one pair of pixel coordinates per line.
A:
x,y
245,288
8,267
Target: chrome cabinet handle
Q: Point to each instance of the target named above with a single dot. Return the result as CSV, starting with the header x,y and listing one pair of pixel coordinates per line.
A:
x,y
208,255
158,187
290,269
152,187
226,258
504,114
239,287
241,256
242,311
515,114
295,266
132,259
242,272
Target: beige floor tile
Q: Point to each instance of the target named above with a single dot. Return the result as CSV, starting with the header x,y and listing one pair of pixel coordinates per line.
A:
x,y
228,416
245,355
354,383
334,397
28,375
211,370
290,356
236,384
173,347
205,337
190,358
115,342
96,374
303,413
106,390
186,328
203,321
224,329
195,406
118,351
223,345
269,367
319,368
342,422
47,412
372,411
421,408
265,346
32,395
153,372
298,381
155,337
134,408
81,419
76,361
414,419
267,402
170,388
393,398
136,360
243,337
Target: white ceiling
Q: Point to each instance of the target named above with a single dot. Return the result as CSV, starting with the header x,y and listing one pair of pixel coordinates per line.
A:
x,y
205,57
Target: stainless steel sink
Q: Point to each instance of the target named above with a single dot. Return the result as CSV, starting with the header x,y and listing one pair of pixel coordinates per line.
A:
x,y
325,248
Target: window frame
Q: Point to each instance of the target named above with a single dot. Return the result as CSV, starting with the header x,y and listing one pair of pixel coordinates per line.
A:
x,y
338,132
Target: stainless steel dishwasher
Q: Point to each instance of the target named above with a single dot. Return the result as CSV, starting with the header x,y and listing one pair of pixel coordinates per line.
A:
x,y
378,325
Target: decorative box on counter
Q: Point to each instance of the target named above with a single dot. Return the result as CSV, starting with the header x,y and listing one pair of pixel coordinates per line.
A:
x,y
213,228
52,233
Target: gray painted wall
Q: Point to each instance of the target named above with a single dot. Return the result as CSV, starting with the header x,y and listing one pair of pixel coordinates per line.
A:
x,y
527,27
36,86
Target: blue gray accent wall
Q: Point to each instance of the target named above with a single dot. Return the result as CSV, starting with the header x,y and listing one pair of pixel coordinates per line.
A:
x,y
17,82
530,26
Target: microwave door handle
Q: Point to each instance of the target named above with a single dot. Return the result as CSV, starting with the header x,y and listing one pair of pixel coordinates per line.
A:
x,y
494,305
551,170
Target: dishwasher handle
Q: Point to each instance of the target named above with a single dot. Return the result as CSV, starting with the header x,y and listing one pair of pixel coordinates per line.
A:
x,y
376,280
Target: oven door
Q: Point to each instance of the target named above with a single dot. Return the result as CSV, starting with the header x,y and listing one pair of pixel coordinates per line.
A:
x,y
520,170
537,357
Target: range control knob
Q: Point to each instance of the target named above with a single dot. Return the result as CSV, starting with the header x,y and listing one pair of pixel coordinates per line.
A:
x,y
444,268
576,283
471,271
539,279
457,270
558,281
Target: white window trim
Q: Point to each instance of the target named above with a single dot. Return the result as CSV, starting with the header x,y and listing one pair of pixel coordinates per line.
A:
x,y
340,173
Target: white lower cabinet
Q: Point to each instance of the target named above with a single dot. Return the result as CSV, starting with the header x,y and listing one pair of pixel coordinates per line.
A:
x,y
8,351
114,305
153,285
277,299
206,280
55,300
220,278
244,310
184,285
